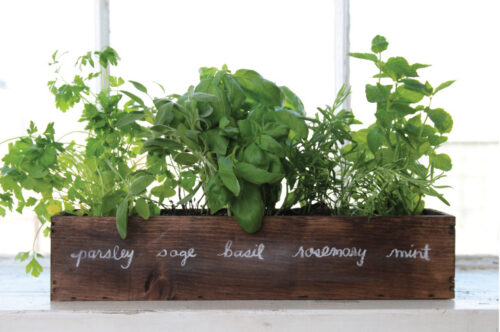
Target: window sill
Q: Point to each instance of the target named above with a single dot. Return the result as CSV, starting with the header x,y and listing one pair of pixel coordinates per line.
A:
x,y
25,305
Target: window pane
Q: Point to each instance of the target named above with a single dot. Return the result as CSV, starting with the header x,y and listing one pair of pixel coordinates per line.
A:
x,y
288,42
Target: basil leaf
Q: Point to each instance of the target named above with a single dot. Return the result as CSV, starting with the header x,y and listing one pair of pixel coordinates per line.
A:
x,y
258,88
256,175
227,175
248,208
217,194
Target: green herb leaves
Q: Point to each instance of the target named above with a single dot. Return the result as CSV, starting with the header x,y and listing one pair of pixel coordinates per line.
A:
x,y
34,268
140,184
377,93
142,208
441,161
258,88
242,140
375,138
248,208
227,176
122,218
379,44
390,163
234,132
442,120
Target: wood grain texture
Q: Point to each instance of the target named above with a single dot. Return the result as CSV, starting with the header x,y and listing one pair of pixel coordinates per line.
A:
x,y
279,275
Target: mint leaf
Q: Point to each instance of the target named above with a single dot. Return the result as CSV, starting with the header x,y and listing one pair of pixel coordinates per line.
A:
x,y
379,44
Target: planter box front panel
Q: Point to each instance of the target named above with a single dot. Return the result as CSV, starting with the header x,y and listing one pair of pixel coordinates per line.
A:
x,y
212,258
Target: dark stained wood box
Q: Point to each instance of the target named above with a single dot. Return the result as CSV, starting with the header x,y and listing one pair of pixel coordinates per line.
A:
x,y
212,258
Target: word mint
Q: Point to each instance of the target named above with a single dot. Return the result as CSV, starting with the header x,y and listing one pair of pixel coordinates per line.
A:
x,y
411,253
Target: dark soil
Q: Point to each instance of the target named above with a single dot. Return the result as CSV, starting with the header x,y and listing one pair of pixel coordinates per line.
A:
x,y
318,209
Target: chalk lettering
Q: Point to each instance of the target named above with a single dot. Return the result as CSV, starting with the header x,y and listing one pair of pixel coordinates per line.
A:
x,y
242,253
185,254
411,253
115,254
327,251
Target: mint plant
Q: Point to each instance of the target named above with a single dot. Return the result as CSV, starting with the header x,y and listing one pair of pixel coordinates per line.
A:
x,y
396,159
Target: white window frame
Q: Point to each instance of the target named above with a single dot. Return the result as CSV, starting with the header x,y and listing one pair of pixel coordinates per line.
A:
x,y
102,33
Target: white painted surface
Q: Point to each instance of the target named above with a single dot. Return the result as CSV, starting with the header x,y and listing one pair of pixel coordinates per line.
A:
x,y
341,49
25,306
101,24
102,33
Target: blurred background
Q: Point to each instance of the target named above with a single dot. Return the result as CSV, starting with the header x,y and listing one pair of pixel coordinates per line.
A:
x,y
288,42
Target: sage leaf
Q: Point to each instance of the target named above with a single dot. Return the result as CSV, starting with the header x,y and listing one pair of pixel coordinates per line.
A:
x,y
215,141
122,218
133,97
111,200
127,119
185,158
142,208
140,184
139,86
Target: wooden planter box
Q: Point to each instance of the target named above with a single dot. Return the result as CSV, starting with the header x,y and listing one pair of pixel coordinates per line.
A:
x,y
212,258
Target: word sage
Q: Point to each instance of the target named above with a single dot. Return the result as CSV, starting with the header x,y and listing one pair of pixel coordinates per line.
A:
x,y
185,254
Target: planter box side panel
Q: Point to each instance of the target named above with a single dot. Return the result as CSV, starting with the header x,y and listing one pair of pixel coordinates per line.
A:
x,y
211,258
